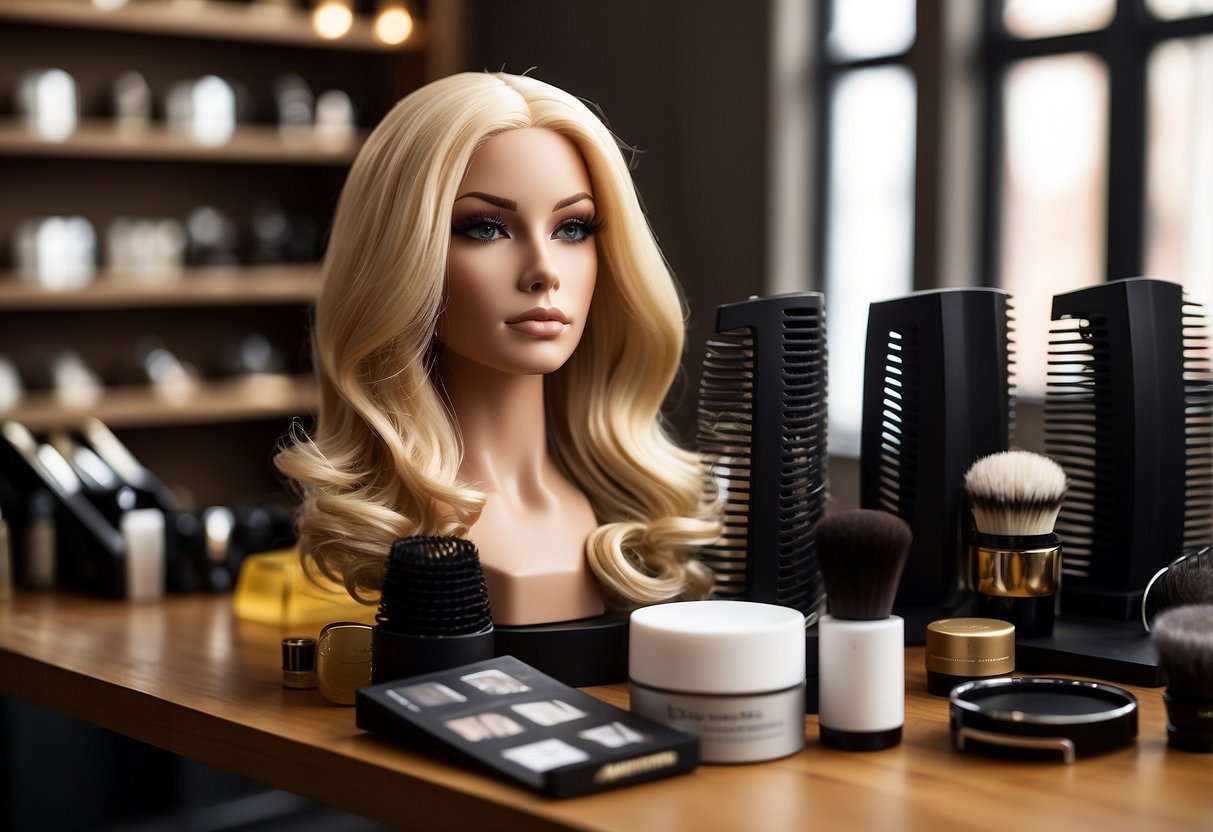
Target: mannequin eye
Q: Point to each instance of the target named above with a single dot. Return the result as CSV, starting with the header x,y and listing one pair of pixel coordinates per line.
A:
x,y
577,229
482,229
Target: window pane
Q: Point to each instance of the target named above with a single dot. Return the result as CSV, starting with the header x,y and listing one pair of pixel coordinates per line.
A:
x,y
870,28
869,226
1173,9
1046,18
1054,194
1179,181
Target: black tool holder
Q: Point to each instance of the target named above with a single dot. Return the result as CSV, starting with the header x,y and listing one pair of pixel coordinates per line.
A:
x,y
936,398
1129,416
762,431
762,426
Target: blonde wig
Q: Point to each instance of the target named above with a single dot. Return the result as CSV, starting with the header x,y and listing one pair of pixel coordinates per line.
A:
x,y
384,458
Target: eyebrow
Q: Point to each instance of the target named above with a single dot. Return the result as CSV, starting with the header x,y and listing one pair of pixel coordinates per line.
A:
x,y
499,201
511,205
571,200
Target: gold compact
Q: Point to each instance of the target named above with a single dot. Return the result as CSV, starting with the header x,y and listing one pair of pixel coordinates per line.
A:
x,y
343,661
963,649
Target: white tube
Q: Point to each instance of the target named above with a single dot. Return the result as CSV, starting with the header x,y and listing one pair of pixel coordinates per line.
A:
x,y
862,687
144,534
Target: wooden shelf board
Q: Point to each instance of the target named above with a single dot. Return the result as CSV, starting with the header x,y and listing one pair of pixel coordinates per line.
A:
x,y
256,22
228,286
96,139
241,400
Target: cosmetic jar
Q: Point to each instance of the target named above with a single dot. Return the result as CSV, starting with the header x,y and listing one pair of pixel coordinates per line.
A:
x,y
730,672
299,663
343,661
964,649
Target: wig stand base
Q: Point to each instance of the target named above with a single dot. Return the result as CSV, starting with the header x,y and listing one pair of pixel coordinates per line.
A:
x,y
589,651
1118,651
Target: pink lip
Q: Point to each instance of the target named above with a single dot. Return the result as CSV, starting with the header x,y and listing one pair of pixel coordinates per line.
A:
x,y
539,322
539,313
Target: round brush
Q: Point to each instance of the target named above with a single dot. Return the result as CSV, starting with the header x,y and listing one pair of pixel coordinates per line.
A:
x,y
433,610
1186,580
1183,637
861,645
1015,556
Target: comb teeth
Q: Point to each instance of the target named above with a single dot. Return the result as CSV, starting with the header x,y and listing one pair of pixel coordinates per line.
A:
x,y
1198,424
1076,406
794,477
899,451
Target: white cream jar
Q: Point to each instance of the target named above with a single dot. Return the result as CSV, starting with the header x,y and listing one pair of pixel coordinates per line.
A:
x,y
731,672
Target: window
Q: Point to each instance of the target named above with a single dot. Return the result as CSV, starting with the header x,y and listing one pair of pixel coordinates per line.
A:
x,y
1046,146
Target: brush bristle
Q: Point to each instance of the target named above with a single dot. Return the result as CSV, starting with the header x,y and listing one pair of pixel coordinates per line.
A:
x,y
862,554
1188,580
434,586
1184,638
1015,493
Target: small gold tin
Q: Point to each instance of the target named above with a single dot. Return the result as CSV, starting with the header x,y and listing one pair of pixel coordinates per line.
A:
x,y
343,661
962,649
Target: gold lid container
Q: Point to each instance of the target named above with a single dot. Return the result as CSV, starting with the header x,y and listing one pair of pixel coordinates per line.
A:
x,y
970,647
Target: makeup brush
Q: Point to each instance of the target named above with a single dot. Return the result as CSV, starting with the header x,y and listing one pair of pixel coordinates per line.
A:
x,y
1015,556
1186,580
433,609
1184,639
862,646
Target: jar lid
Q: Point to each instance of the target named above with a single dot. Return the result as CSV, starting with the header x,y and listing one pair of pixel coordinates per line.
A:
x,y
729,647
970,646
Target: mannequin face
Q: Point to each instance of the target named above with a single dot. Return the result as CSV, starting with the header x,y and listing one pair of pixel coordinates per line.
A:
x,y
523,262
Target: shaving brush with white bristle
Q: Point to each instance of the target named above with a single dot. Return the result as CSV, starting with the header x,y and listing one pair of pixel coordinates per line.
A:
x,y
1015,555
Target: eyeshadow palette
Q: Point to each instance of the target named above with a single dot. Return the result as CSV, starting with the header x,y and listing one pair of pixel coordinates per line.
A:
x,y
506,716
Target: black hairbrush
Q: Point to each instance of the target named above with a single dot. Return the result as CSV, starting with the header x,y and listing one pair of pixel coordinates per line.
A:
x,y
433,611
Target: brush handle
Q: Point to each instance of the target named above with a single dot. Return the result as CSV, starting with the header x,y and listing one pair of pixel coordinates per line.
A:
x,y
862,667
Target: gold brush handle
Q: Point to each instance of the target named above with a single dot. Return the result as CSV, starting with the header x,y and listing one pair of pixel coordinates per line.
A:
x,y
1016,573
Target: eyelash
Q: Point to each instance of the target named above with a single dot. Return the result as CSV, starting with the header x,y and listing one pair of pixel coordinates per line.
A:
x,y
589,226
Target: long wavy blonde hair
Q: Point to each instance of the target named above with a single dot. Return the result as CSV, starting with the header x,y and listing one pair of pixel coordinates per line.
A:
x,y
384,457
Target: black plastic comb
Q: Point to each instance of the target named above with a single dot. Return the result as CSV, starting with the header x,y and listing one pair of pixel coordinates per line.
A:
x,y
936,397
1129,416
762,432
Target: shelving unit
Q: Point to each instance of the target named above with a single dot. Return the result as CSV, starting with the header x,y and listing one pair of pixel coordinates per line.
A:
x,y
215,444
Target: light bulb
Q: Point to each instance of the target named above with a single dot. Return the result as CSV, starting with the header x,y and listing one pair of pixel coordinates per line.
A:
x,y
332,18
394,24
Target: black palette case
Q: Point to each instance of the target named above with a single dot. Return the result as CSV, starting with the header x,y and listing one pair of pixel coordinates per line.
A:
x,y
507,717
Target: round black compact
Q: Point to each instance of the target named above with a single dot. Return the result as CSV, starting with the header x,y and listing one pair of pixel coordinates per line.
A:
x,y
1040,716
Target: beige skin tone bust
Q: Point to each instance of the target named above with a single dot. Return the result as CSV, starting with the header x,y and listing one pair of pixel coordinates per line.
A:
x,y
520,279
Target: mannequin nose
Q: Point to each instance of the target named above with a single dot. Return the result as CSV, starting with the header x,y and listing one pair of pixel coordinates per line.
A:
x,y
540,273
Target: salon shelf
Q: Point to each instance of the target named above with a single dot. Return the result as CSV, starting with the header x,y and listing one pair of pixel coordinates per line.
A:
x,y
250,143
231,21
233,286
214,402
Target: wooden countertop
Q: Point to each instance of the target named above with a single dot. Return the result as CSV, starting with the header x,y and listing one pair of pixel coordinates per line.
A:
x,y
186,676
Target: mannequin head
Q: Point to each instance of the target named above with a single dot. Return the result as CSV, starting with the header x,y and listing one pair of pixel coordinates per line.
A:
x,y
383,461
